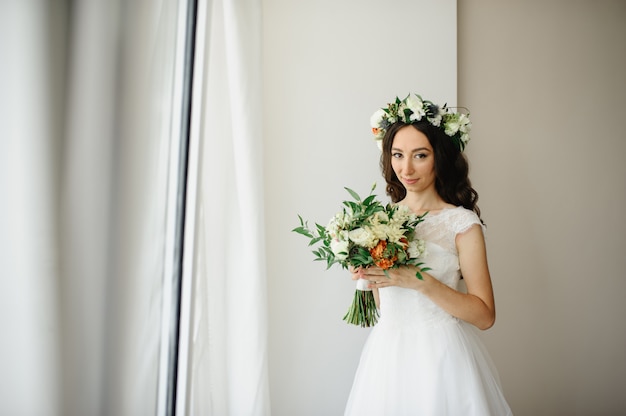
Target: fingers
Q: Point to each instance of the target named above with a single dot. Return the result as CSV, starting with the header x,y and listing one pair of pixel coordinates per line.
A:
x,y
378,278
372,272
357,273
377,284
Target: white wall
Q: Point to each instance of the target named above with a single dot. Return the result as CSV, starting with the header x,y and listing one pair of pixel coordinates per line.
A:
x,y
545,83
328,66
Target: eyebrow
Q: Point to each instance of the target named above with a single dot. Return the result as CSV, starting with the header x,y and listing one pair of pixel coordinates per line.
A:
x,y
419,149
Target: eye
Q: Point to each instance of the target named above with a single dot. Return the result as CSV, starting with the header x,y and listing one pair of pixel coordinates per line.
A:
x,y
396,155
420,156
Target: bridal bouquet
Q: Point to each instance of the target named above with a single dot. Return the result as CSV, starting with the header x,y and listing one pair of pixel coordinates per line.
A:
x,y
365,233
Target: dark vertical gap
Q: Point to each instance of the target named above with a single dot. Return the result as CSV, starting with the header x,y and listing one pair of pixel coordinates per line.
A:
x,y
60,21
190,43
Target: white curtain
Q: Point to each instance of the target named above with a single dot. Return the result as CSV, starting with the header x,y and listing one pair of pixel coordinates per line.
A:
x,y
89,115
85,130
228,372
28,255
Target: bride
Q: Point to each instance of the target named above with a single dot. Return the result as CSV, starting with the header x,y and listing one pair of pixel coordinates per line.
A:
x,y
424,356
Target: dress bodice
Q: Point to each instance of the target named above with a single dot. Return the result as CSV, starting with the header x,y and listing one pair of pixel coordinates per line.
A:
x,y
407,307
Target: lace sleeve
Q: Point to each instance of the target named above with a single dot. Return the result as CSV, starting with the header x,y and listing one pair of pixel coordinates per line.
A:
x,y
442,228
463,219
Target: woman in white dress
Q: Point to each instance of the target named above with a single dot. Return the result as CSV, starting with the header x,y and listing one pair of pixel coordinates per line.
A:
x,y
424,356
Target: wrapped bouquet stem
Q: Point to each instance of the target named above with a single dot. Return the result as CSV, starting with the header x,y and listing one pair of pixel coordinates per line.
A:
x,y
366,233
363,311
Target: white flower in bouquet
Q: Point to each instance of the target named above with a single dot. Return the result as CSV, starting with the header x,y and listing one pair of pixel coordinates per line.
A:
x,y
339,222
340,249
403,214
379,231
379,217
417,248
395,234
363,237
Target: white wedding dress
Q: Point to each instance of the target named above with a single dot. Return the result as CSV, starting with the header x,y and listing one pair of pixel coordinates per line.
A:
x,y
420,360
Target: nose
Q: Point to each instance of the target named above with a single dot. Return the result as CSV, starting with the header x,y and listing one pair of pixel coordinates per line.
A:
x,y
407,166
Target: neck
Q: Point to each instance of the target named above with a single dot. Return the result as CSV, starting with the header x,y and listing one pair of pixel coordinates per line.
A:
x,y
421,202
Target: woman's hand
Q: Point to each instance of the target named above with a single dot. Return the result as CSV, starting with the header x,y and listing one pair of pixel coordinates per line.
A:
x,y
402,277
354,272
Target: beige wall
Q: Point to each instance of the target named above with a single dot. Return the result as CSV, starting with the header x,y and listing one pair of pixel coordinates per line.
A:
x,y
545,84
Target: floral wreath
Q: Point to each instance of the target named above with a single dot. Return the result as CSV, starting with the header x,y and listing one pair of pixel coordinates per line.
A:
x,y
412,109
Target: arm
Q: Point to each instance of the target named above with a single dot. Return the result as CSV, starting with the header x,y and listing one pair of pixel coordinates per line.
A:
x,y
477,306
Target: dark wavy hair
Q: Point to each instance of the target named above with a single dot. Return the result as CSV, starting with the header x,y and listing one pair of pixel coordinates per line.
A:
x,y
451,167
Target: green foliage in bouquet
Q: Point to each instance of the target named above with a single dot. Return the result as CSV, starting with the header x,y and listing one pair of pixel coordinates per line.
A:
x,y
363,234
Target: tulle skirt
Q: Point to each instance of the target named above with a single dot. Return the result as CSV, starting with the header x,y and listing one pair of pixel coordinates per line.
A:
x,y
432,370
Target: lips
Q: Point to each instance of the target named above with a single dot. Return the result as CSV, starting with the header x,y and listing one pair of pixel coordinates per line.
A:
x,y
409,181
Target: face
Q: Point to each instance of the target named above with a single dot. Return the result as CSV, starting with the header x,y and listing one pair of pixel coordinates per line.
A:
x,y
413,160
